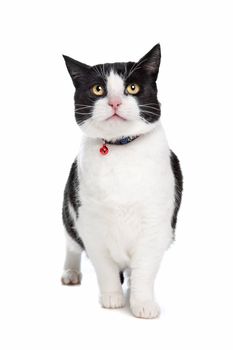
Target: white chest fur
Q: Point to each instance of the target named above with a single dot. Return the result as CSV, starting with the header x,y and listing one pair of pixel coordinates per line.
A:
x,y
122,192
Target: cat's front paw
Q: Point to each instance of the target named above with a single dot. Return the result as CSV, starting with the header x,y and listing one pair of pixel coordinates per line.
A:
x,y
144,309
71,277
112,300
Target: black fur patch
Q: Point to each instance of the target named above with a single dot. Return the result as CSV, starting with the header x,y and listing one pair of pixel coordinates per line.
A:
x,y
122,277
71,196
175,164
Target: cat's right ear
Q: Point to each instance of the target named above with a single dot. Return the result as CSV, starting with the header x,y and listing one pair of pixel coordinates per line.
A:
x,y
75,68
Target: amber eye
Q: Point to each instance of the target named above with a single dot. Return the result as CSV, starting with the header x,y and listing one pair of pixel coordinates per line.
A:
x,y
133,89
97,90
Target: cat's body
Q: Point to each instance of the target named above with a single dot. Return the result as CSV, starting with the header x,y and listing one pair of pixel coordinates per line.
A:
x,y
121,206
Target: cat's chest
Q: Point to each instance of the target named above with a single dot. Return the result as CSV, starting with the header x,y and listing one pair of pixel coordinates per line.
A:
x,y
128,173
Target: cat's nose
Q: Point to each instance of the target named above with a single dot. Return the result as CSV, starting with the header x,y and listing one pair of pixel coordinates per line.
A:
x,y
114,103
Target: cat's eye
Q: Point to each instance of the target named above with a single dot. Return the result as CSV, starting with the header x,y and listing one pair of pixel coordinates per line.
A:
x,y
133,89
97,90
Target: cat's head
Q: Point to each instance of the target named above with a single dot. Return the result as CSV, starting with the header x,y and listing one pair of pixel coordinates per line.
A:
x,y
117,99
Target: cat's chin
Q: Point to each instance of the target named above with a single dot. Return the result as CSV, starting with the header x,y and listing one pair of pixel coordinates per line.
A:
x,y
116,117
114,130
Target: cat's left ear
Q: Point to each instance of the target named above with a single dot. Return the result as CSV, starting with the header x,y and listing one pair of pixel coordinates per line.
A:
x,y
76,69
151,61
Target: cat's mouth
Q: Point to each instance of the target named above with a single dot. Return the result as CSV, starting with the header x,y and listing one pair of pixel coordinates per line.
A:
x,y
116,116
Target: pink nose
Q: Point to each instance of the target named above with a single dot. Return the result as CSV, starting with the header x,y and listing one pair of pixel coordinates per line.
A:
x,y
114,103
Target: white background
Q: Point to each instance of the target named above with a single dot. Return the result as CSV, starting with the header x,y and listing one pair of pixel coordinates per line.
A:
x,y
39,139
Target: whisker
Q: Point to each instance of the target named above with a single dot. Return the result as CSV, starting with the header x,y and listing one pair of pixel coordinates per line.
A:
x,y
143,111
151,103
103,72
81,122
91,99
125,72
99,72
78,109
146,106
96,70
79,104
135,67
82,113
144,120
156,114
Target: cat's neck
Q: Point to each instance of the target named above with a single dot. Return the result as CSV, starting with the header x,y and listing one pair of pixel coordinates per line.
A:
x,y
123,140
154,136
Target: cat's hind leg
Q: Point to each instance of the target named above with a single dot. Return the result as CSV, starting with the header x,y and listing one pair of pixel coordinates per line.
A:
x,y
72,267
74,247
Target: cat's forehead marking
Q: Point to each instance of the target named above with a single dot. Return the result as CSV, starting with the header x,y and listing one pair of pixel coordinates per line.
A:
x,y
115,84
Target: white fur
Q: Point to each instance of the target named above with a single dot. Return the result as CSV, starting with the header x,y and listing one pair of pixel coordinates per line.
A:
x,y
127,201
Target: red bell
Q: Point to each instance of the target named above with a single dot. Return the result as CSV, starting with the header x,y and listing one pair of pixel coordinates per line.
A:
x,y
104,150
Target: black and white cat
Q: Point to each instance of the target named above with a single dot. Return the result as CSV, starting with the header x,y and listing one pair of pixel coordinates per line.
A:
x,y
124,189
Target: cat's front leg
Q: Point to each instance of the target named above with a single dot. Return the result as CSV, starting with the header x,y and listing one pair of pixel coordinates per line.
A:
x,y
145,263
108,275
